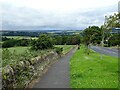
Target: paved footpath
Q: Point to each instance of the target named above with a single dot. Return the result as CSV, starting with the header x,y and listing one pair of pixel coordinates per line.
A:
x,y
58,74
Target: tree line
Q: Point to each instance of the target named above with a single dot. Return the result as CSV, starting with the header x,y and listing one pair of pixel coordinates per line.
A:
x,y
44,41
15,42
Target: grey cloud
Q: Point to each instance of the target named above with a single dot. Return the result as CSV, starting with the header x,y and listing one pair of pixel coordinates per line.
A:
x,y
27,18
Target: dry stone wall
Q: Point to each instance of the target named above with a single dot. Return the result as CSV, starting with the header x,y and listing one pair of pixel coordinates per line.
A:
x,y
21,74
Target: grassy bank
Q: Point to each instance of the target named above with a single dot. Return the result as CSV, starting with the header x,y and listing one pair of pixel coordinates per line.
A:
x,y
92,71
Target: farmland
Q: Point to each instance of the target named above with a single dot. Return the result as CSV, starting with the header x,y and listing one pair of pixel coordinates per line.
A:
x,y
15,54
86,71
60,44
92,71
19,50
21,37
87,68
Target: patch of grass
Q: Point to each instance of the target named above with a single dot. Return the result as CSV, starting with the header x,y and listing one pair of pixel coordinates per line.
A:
x,y
18,50
92,71
1,42
66,48
14,55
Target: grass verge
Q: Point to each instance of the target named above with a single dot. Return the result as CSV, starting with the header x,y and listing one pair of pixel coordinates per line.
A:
x,y
92,71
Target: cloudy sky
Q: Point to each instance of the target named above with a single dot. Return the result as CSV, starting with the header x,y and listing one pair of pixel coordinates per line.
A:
x,y
54,14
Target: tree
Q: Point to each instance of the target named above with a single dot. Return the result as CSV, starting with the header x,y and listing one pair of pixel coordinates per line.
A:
x,y
67,39
75,40
9,43
92,34
43,42
58,40
24,42
111,21
114,40
5,38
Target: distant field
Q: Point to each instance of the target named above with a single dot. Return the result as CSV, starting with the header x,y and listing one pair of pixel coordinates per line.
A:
x,y
21,37
92,71
66,48
18,50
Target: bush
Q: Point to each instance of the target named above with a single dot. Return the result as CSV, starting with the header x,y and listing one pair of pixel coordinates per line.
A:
x,y
15,42
114,40
23,42
43,42
9,43
58,50
5,38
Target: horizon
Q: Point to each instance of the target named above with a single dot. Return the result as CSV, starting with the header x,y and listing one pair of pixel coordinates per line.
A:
x,y
39,30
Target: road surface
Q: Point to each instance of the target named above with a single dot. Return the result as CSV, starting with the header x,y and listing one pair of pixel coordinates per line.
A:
x,y
106,51
58,74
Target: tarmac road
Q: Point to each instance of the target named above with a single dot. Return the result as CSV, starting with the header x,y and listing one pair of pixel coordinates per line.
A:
x,y
106,51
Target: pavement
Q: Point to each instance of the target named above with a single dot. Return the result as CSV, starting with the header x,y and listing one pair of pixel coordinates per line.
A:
x,y
58,74
106,51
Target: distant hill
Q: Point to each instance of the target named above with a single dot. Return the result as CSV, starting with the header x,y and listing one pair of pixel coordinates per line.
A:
x,y
36,33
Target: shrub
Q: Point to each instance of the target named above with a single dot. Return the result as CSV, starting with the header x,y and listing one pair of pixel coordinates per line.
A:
x,y
58,50
9,43
43,42
15,42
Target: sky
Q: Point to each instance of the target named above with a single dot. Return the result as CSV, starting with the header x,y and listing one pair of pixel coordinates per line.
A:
x,y
54,14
